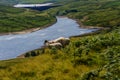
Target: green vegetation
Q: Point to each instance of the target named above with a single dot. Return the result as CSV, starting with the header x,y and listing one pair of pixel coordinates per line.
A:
x,y
93,57
85,58
14,19
102,13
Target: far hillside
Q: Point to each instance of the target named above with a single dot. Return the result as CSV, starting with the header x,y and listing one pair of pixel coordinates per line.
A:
x,y
16,19
101,13
19,19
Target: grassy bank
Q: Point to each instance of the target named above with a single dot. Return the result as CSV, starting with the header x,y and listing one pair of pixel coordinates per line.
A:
x,y
91,57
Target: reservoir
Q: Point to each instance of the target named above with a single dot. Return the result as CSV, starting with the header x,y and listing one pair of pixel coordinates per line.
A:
x,y
39,7
12,46
31,5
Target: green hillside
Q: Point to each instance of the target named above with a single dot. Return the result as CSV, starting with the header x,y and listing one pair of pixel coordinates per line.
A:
x,y
92,57
14,19
95,57
102,13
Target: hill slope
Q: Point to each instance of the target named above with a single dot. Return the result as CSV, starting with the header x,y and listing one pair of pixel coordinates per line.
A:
x,y
16,19
93,57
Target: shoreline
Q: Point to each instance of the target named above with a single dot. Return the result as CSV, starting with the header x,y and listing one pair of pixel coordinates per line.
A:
x,y
28,30
45,26
81,25
82,35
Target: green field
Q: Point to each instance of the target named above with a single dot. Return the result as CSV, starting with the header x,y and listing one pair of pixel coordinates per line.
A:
x,y
92,57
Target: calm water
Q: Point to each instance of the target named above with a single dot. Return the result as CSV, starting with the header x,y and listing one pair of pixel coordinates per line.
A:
x,y
13,45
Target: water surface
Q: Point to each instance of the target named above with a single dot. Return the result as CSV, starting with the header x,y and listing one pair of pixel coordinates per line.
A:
x,y
39,7
12,46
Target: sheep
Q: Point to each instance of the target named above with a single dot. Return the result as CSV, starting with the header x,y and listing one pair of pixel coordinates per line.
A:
x,y
61,42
